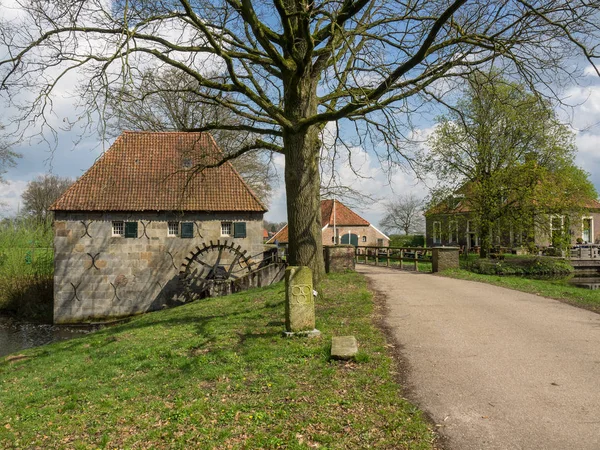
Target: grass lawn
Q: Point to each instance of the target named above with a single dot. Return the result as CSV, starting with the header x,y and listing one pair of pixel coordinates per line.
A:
x,y
214,374
557,289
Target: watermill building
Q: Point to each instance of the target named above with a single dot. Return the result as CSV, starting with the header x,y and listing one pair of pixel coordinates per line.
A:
x,y
143,224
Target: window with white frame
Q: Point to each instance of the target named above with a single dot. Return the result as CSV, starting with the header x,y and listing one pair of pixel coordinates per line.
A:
x,y
118,228
225,228
587,230
453,232
364,239
437,232
556,229
173,229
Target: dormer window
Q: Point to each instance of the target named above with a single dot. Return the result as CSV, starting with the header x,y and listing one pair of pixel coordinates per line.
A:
x,y
187,163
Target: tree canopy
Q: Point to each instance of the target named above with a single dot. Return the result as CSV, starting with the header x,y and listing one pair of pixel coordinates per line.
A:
x,y
40,193
287,68
503,152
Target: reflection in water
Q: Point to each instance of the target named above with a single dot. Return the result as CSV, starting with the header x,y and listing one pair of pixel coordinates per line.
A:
x,y
586,282
16,336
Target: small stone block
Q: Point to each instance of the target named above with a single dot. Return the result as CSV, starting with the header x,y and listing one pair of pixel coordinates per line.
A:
x,y
343,347
307,334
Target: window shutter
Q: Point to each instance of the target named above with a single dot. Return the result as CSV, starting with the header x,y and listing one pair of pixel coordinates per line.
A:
x,y
239,230
187,230
131,229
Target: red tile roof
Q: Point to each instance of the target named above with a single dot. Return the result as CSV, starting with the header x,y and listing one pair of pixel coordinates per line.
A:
x,y
281,236
149,171
341,215
344,216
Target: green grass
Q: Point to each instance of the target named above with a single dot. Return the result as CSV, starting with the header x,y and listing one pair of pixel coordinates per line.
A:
x,y
26,271
215,374
557,289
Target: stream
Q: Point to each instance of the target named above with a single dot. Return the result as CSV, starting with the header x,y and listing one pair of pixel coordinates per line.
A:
x,y
17,335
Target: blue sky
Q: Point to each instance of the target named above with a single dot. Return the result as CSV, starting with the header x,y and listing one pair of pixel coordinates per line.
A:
x,y
73,159
69,159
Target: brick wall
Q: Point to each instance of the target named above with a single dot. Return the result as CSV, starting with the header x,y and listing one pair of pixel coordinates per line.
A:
x,y
368,232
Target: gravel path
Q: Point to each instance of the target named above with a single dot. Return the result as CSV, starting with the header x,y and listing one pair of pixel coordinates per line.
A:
x,y
496,368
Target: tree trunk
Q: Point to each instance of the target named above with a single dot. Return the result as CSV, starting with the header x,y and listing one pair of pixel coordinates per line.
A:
x,y
484,229
302,179
302,184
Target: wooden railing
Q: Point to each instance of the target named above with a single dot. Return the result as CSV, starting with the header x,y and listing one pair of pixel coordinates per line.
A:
x,y
401,257
585,252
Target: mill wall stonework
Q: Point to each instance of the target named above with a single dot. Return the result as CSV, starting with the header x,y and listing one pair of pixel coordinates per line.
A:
x,y
98,276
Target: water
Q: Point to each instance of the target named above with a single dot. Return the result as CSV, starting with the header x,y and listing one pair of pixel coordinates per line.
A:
x,y
589,282
16,336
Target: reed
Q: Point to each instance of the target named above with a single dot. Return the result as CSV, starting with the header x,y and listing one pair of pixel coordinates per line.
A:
x,y
26,270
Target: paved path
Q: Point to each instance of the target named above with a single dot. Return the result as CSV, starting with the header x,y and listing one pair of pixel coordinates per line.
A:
x,y
496,368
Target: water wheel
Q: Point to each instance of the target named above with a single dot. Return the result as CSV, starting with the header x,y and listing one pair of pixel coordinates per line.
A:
x,y
211,266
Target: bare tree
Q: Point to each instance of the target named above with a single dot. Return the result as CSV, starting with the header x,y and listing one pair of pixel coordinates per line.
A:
x,y
40,193
171,100
7,159
405,213
286,68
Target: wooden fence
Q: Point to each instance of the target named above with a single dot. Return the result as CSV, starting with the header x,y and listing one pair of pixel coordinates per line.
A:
x,y
400,257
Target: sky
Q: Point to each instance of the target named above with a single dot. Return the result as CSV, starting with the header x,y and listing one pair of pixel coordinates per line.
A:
x,y
72,159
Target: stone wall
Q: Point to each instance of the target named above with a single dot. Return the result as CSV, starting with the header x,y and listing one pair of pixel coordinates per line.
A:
x,y
98,276
443,258
338,258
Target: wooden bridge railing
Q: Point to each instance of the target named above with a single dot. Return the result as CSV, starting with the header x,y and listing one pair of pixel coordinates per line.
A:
x,y
585,252
401,257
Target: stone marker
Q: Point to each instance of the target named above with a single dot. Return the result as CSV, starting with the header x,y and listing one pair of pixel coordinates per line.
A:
x,y
343,347
299,301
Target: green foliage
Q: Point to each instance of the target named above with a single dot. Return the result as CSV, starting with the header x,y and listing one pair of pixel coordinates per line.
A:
x,y
553,288
26,269
411,240
522,265
215,374
504,151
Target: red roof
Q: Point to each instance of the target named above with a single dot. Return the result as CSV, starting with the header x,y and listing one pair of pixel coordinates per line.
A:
x,y
341,215
149,171
335,211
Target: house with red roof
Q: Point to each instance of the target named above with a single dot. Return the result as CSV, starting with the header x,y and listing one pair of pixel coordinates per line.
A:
x,y
144,215
341,225
453,223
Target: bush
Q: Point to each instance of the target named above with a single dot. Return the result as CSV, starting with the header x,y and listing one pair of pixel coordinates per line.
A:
x,y
552,251
524,266
411,240
29,296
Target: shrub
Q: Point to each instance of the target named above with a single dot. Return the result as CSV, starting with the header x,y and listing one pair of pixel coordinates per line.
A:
x,y
411,240
524,266
26,270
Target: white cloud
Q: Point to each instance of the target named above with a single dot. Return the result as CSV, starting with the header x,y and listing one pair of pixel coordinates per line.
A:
x,y
10,197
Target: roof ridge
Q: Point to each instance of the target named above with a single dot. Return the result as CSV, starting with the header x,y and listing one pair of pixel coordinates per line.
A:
x,y
141,171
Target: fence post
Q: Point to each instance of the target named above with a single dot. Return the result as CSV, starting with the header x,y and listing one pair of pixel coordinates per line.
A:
x,y
401,257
